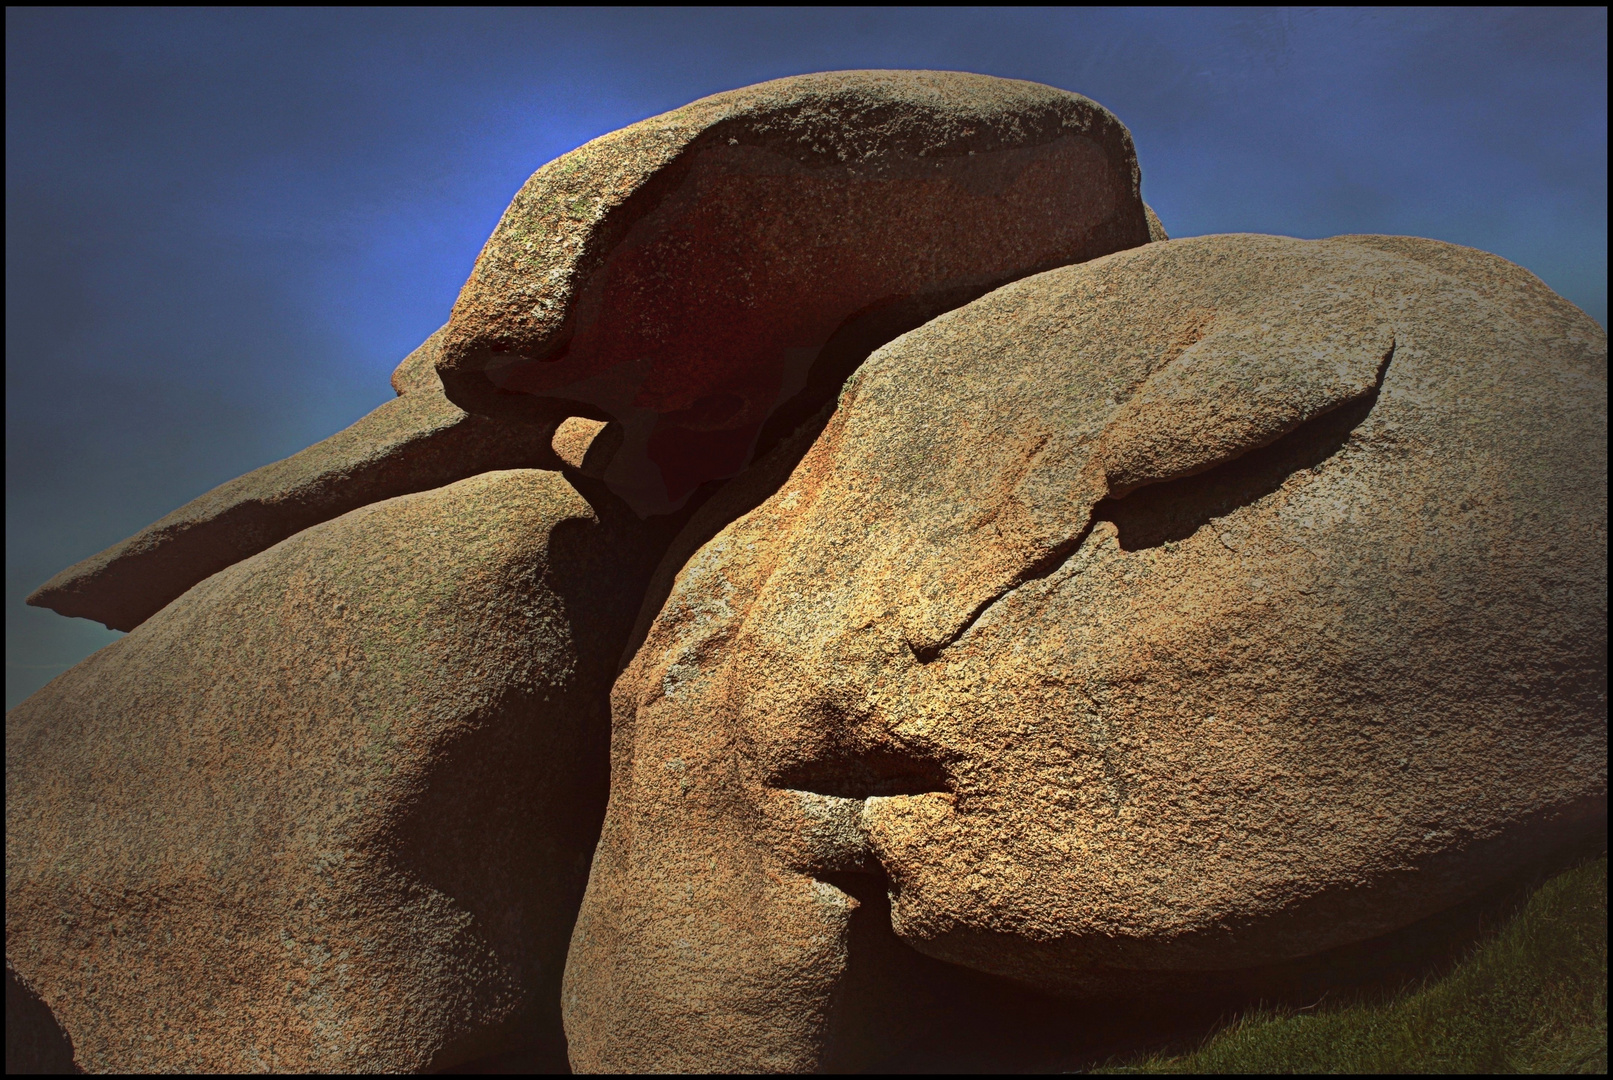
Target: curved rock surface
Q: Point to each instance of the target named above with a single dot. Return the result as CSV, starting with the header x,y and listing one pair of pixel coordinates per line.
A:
x,y
332,809
1203,606
708,277
415,442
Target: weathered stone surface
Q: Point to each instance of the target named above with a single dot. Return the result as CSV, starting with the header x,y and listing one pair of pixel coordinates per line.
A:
x,y
587,445
332,809
1206,605
694,273
1156,228
417,372
418,441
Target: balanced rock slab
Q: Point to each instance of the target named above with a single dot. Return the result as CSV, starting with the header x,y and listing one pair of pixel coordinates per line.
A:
x,y
1200,607
692,274
332,809
419,440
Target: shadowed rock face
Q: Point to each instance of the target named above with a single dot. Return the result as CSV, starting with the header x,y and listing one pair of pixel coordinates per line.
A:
x,y
1200,607
692,274
35,1042
707,277
332,809
419,441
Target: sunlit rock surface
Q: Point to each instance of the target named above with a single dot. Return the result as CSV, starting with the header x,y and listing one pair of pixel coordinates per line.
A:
x,y
1206,605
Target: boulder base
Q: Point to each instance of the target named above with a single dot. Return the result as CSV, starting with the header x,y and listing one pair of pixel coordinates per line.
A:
x,y
333,808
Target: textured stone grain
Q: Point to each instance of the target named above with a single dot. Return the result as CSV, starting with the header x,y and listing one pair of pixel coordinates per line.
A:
x,y
696,273
332,809
1196,608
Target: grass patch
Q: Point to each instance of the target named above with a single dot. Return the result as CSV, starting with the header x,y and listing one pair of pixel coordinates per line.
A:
x,y
1532,997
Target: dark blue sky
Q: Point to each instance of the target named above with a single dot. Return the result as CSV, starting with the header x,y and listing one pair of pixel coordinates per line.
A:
x,y
223,228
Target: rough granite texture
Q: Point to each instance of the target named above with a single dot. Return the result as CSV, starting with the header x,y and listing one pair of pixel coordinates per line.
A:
x,y
332,809
695,273
587,445
1199,607
1156,228
415,442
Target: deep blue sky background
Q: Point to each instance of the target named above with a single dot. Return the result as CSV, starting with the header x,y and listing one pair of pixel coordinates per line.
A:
x,y
224,228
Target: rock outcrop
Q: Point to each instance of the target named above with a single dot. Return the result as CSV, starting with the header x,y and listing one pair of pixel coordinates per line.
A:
x,y
1200,607
332,809
708,277
419,440
695,276
1145,616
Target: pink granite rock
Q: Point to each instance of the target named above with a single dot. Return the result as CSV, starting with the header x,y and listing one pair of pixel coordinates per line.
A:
x,y
692,274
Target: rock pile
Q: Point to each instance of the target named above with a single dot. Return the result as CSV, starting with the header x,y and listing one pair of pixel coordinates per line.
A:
x,y
1137,611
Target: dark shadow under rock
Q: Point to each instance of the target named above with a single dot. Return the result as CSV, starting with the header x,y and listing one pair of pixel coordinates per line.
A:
x,y
902,1012
35,1042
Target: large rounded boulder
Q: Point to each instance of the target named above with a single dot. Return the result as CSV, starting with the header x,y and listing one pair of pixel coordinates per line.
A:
x,y
332,809
1204,606
708,276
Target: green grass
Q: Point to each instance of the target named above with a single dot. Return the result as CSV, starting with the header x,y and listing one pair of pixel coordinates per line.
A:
x,y
1532,997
